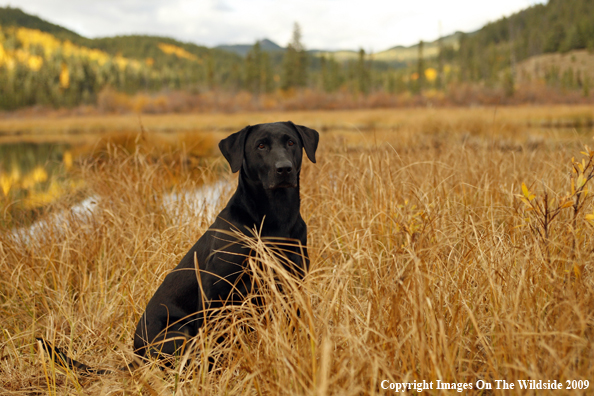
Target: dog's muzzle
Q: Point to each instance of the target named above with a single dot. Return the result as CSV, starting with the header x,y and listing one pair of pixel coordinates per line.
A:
x,y
284,175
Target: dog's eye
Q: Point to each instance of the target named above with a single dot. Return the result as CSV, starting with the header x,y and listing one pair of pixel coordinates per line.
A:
x,y
261,146
290,142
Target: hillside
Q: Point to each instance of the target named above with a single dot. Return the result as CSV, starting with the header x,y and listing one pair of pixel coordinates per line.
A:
x,y
400,53
559,26
45,64
164,51
14,17
138,47
568,70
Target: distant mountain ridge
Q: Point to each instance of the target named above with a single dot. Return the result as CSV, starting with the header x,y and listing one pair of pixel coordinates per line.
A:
x,y
242,49
398,53
142,46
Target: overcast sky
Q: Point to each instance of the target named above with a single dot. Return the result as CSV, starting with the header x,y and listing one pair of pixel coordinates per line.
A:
x,y
373,25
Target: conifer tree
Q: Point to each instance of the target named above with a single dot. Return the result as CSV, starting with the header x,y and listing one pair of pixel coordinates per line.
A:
x,y
295,63
258,75
331,74
420,69
363,74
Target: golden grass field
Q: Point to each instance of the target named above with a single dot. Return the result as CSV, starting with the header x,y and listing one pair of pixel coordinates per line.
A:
x,y
429,259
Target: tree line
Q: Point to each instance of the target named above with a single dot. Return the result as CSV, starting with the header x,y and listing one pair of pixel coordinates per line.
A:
x,y
44,64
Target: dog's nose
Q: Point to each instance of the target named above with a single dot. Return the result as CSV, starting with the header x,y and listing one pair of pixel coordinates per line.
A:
x,y
284,167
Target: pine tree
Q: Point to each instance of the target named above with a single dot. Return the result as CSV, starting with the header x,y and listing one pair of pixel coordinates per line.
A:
x,y
363,74
439,81
258,75
252,69
420,69
295,63
331,74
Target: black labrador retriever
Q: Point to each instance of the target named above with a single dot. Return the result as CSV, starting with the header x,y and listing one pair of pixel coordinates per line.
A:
x,y
268,157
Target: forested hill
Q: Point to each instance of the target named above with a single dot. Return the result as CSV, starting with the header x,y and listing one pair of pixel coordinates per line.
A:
x,y
15,17
558,26
45,64
162,50
138,47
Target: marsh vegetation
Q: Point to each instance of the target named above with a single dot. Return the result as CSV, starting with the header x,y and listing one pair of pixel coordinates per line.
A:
x,y
450,244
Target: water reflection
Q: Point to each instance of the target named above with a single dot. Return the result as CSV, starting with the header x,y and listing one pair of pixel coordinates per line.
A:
x,y
34,174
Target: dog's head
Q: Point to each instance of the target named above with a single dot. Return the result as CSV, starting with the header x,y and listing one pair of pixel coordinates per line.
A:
x,y
270,153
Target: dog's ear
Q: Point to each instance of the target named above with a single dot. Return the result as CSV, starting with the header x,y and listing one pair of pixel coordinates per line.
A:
x,y
232,148
310,139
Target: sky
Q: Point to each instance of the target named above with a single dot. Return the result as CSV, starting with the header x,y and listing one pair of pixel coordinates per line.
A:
x,y
374,25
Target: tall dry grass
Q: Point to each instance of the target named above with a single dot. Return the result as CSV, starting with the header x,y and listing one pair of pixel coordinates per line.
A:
x,y
425,265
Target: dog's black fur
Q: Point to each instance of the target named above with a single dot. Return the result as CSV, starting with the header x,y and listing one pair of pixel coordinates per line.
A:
x,y
268,157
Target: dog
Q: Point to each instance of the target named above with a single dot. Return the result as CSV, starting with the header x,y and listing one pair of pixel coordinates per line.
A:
x,y
268,158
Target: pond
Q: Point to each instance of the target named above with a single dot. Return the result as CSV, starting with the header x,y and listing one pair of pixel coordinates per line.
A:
x,y
34,174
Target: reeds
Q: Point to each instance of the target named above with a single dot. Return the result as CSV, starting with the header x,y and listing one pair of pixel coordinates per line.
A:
x,y
425,265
